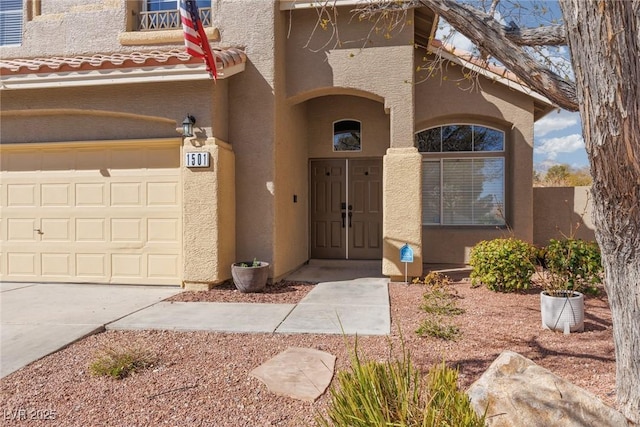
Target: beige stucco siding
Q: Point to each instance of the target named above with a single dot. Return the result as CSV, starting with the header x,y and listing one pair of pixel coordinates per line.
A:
x,y
104,112
252,123
322,112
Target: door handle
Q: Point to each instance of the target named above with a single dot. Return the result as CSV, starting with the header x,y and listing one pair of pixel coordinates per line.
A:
x,y
344,215
350,215
39,231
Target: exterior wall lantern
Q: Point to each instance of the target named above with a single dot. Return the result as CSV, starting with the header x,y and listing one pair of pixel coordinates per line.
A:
x,y
187,125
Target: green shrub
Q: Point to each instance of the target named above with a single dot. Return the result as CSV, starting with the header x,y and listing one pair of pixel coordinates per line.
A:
x,y
575,263
434,327
119,363
394,393
503,265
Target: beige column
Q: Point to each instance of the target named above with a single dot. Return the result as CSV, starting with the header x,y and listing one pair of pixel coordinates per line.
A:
x,y
402,204
209,212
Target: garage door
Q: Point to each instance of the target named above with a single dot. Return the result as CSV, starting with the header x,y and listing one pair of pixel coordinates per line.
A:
x,y
91,212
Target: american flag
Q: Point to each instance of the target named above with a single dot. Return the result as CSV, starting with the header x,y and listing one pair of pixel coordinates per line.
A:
x,y
195,39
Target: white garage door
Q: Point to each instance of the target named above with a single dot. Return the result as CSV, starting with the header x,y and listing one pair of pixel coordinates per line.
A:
x,y
91,212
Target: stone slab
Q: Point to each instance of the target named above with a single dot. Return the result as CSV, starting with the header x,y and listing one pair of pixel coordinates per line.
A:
x,y
300,373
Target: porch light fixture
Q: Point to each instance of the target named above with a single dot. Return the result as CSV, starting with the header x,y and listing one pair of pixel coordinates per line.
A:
x,y
187,125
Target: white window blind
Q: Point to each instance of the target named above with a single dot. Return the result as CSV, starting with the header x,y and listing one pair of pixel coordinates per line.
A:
x,y
463,191
10,22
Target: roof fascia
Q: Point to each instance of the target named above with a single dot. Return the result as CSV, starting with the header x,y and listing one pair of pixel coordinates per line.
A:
x,y
310,4
156,74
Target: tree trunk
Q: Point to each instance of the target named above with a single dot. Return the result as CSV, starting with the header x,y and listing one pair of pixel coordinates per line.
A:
x,y
604,41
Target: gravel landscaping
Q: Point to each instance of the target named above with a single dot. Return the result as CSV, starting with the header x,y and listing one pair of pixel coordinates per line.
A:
x,y
202,379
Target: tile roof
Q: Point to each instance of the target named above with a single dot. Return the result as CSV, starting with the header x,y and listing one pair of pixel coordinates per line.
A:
x,y
224,58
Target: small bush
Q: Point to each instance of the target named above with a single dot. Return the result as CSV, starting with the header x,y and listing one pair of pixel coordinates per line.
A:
x,y
394,393
434,327
119,363
503,265
575,263
439,301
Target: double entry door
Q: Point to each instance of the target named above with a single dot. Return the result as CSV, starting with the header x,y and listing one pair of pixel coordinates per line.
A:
x,y
346,208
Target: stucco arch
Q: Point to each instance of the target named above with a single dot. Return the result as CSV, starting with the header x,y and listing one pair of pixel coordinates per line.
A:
x,y
335,90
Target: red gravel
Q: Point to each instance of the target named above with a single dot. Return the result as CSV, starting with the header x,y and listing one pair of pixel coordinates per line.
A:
x,y
201,379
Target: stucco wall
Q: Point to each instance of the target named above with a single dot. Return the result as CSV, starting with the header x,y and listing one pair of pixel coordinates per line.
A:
x,y
322,112
92,113
58,23
440,101
383,70
560,212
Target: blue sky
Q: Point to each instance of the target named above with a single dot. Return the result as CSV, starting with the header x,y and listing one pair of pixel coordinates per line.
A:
x,y
557,136
558,140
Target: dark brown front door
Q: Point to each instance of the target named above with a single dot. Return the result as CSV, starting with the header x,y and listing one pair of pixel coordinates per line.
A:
x,y
346,208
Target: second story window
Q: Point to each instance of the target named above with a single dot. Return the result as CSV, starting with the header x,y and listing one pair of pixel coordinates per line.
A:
x,y
346,135
10,22
165,14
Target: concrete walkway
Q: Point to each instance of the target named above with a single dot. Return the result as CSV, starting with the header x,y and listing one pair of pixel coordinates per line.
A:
x,y
359,306
39,319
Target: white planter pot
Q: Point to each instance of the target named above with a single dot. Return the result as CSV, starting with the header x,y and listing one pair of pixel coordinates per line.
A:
x,y
562,313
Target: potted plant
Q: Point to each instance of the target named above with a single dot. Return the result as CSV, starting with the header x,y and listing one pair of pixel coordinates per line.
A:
x,y
570,268
250,276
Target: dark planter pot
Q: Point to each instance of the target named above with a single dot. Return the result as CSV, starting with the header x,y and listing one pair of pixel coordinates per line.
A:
x,y
563,312
248,278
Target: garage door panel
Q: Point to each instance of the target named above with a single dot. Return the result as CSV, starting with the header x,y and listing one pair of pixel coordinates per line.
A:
x,y
163,230
21,195
126,266
56,264
90,229
126,194
126,230
91,265
163,266
55,229
55,195
90,194
162,194
111,215
21,229
20,264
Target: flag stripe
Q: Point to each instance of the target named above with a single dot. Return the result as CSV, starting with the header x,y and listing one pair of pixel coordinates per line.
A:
x,y
195,37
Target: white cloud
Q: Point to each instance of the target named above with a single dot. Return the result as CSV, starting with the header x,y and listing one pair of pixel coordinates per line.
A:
x,y
448,35
564,144
552,123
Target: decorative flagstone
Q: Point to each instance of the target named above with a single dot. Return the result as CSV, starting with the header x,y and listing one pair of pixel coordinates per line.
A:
x,y
300,373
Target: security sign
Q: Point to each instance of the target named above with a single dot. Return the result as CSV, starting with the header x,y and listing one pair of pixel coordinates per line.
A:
x,y
406,253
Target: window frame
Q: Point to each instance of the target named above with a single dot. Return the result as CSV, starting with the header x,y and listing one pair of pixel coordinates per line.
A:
x,y
333,135
441,157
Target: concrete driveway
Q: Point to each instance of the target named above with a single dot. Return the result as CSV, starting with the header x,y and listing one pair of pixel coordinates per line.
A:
x,y
37,319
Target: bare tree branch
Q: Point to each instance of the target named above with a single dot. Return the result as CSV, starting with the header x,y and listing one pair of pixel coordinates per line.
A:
x,y
554,35
489,35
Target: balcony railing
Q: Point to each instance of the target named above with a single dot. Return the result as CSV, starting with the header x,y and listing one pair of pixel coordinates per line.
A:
x,y
169,19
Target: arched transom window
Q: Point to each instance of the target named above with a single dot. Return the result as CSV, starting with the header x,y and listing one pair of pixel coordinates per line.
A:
x,y
463,175
346,135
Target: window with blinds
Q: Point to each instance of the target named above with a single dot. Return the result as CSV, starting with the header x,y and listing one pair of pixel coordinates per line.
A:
x,y
11,22
463,175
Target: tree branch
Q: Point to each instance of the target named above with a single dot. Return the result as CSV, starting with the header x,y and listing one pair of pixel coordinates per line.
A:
x,y
554,35
489,36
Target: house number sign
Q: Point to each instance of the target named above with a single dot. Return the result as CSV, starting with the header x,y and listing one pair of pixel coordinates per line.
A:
x,y
197,159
